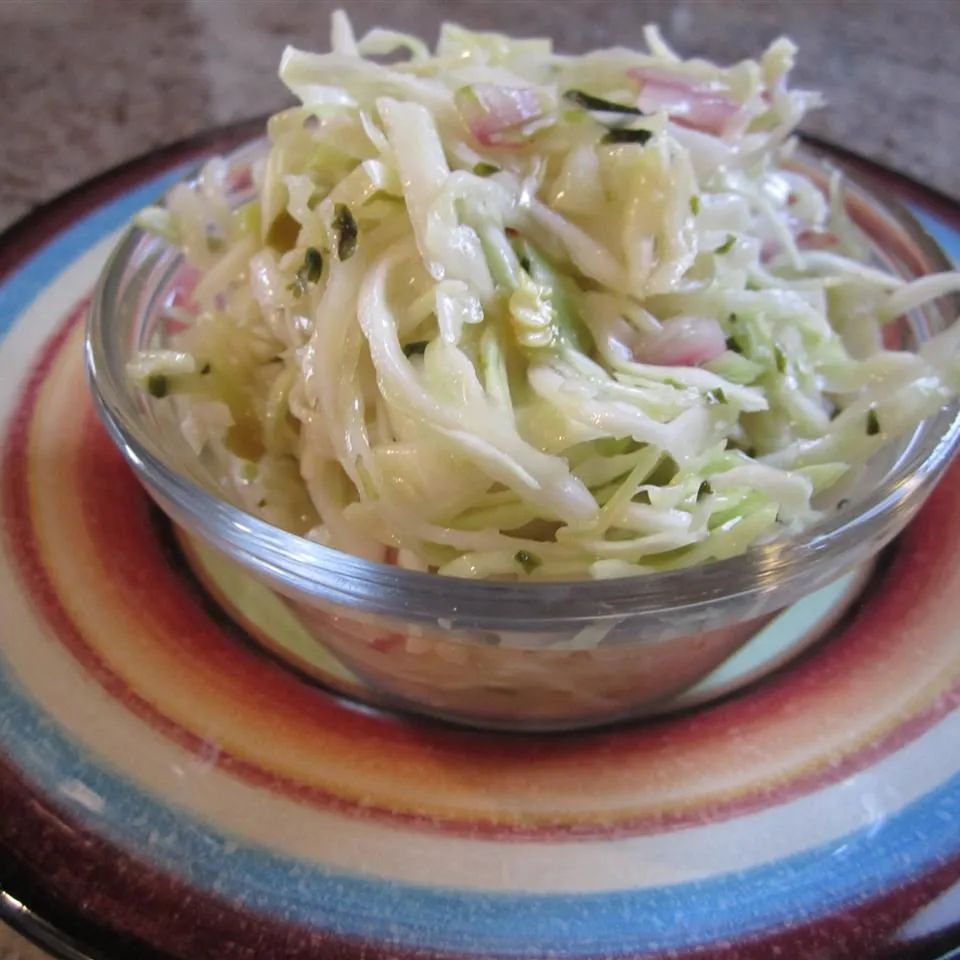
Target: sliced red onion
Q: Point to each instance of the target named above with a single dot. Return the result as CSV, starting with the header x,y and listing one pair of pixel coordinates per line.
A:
x,y
770,248
688,103
496,114
180,291
684,341
811,239
174,326
240,178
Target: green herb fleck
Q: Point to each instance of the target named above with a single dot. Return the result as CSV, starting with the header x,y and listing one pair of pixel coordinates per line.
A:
x,y
205,369
415,348
346,230
727,244
704,490
529,561
158,385
484,169
873,423
261,503
694,204
717,395
733,346
780,358
589,102
626,135
310,272
214,243
312,264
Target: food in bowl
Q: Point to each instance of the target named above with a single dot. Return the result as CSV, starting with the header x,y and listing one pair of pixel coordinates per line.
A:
x,y
499,313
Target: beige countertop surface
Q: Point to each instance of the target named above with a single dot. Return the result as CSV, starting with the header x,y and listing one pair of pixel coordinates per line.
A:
x,y
90,83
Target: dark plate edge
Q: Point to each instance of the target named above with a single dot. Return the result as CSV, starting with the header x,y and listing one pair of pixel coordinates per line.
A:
x,y
41,932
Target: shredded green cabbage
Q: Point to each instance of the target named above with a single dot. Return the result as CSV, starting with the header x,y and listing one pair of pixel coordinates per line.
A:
x,y
500,312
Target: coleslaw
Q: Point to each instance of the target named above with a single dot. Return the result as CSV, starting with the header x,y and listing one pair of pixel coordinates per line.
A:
x,y
497,312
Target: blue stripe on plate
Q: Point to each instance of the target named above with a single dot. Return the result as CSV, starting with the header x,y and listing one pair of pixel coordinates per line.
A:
x,y
945,235
864,864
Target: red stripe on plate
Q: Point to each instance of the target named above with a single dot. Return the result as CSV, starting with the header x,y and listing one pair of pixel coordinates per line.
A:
x,y
120,520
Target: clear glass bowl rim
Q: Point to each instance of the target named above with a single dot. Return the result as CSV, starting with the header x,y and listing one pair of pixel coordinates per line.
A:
x,y
301,568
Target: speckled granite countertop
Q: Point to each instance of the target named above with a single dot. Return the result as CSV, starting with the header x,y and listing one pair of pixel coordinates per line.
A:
x,y
89,83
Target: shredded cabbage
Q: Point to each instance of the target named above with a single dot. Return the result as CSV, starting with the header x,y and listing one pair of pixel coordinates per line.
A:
x,y
500,312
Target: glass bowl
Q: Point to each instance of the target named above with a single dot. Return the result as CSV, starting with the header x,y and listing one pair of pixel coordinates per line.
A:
x,y
519,656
